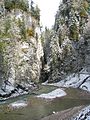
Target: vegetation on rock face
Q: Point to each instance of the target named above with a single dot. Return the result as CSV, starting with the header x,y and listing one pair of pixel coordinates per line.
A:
x,y
24,32
85,4
16,4
19,28
64,48
2,46
74,32
30,32
35,12
89,6
83,13
23,5
22,27
3,63
21,22
73,15
7,25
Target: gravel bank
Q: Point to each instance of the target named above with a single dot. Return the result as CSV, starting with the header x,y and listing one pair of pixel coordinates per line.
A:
x,y
64,115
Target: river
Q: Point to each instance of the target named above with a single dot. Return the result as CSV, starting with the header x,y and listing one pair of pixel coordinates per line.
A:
x,y
38,108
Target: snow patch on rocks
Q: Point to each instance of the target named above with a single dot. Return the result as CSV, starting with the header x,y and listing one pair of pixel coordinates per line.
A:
x,y
75,80
81,80
56,93
86,85
84,114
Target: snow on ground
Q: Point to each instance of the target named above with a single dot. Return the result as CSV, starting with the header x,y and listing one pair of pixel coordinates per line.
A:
x,y
18,104
86,85
74,80
56,93
45,83
84,114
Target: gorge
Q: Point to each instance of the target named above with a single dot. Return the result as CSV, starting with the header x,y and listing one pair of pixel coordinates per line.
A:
x,y
57,57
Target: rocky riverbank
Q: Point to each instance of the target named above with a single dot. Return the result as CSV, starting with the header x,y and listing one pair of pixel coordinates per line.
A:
x,y
64,115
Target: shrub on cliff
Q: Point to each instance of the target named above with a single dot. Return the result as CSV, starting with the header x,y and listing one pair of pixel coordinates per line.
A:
x,y
74,32
35,12
22,27
31,32
13,4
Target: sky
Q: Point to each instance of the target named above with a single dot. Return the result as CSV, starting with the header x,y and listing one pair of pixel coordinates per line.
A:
x,y
48,10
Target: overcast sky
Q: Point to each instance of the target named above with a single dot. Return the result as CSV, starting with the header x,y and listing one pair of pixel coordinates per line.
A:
x,y
48,10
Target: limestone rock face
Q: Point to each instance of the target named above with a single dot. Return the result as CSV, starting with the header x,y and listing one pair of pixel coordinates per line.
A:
x,y
20,44
24,61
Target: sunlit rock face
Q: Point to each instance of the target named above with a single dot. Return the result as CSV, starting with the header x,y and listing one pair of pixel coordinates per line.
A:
x,y
20,44
25,64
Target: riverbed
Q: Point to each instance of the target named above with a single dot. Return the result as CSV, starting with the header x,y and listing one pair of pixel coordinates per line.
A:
x,y
38,108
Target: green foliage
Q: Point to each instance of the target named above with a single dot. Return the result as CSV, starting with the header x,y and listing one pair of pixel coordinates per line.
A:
x,y
83,13
35,12
42,39
85,4
62,21
3,35
3,61
74,32
22,27
2,46
65,12
65,51
7,25
30,32
89,8
84,8
61,38
13,4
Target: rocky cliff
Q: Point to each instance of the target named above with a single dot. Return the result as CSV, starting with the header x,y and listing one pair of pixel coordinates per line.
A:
x,y
69,40
20,45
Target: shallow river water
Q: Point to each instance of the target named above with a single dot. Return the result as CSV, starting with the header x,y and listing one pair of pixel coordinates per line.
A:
x,y
38,108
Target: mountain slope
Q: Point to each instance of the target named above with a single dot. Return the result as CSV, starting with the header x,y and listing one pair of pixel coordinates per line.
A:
x,y
67,44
